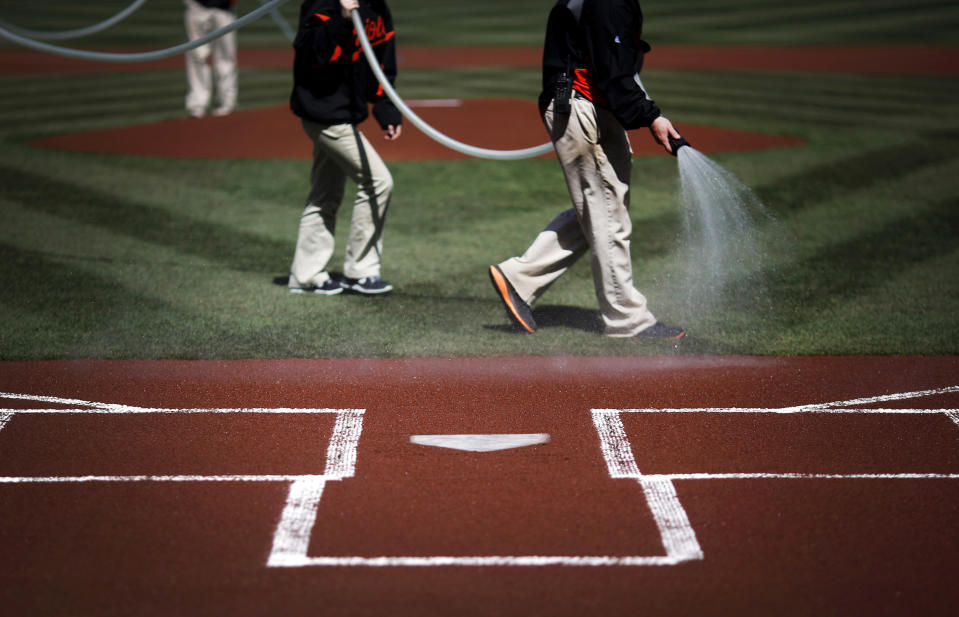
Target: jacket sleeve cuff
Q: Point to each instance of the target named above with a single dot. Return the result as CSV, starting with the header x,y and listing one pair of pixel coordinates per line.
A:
x,y
386,113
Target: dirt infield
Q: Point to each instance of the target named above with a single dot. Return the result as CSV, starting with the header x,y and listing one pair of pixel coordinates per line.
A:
x,y
668,486
273,132
498,124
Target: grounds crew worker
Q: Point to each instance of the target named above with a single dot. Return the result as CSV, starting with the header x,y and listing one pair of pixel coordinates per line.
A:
x,y
332,88
201,18
591,95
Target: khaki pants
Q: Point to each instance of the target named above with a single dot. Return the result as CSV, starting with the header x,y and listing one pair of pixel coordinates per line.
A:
x,y
199,75
340,151
594,153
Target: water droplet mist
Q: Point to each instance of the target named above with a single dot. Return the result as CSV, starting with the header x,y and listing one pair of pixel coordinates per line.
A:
x,y
720,244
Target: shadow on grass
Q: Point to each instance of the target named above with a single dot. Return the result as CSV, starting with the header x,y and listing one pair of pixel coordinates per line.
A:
x,y
56,310
572,317
556,316
851,269
861,171
218,243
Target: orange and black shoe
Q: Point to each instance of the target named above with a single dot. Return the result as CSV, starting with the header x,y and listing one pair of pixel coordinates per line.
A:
x,y
663,332
518,311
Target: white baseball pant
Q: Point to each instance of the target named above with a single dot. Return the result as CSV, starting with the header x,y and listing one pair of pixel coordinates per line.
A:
x,y
200,21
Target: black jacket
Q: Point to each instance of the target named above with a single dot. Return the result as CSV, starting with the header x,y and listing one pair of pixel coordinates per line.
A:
x,y
332,82
603,50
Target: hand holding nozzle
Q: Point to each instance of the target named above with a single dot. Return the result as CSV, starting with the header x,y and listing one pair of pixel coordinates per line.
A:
x,y
665,134
676,144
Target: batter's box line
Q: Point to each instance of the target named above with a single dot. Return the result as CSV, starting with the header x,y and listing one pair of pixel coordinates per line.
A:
x,y
292,537
678,535
78,406
340,454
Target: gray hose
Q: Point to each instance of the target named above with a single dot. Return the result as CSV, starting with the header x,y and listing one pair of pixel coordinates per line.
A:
x,y
483,153
281,23
147,55
80,32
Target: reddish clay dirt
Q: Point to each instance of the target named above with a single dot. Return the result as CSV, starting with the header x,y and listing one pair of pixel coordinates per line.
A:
x,y
771,546
809,546
496,124
903,59
275,133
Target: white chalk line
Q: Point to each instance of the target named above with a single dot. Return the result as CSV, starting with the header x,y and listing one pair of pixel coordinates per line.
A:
x,y
121,410
784,411
341,453
79,406
165,478
803,476
884,397
293,532
676,532
292,536
481,561
835,407
291,539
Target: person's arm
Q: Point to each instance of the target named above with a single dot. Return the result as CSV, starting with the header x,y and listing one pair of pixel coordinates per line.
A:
x,y
385,112
613,39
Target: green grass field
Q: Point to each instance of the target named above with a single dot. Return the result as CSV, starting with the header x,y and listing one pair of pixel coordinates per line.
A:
x,y
133,257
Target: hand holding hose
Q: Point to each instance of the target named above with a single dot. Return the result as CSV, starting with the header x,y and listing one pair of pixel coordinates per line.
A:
x,y
662,129
348,5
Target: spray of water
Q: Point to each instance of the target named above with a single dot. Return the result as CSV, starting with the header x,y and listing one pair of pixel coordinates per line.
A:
x,y
721,243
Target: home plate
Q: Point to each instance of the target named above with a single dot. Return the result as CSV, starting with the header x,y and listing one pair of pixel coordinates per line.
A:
x,y
481,443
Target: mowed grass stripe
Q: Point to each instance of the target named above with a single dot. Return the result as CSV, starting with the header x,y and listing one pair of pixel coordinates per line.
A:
x,y
829,98
874,28
819,22
521,22
840,247
161,224
836,178
154,25
190,251
820,15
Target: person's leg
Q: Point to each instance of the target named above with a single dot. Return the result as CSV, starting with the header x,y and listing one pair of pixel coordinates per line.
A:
x,y
315,239
198,73
600,192
374,190
224,65
562,242
552,252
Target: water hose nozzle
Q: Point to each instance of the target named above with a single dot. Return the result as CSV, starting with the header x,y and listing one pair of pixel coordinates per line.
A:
x,y
676,144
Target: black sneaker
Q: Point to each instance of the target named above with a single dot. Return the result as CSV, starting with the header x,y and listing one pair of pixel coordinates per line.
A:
x,y
368,285
329,287
662,331
518,311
